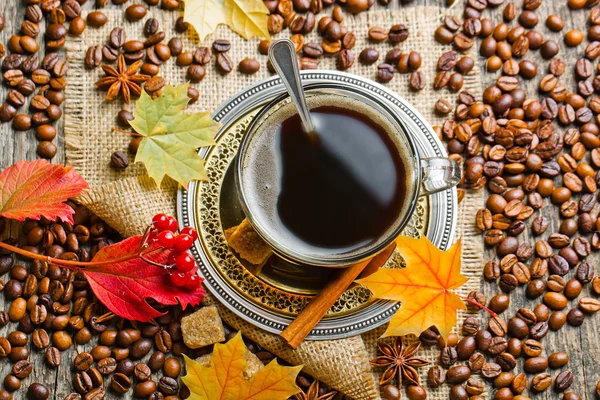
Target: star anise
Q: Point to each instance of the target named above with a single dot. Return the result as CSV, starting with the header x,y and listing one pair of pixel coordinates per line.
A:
x,y
123,80
399,361
313,393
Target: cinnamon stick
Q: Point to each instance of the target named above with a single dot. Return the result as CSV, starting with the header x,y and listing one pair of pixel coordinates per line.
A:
x,y
295,333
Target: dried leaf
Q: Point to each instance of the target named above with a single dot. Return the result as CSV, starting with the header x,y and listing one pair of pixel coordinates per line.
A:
x,y
423,287
224,379
171,138
204,16
35,189
124,286
247,17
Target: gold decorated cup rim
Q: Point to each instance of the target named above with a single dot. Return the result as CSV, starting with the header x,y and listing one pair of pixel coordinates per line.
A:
x,y
329,260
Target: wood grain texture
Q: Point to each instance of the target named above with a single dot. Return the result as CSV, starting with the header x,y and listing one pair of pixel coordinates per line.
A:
x,y
582,344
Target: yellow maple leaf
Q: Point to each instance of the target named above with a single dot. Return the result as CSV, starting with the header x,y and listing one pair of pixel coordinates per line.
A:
x,y
223,379
247,17
204,16
423,287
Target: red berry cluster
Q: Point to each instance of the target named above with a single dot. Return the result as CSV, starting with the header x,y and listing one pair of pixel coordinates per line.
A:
x,y
182,265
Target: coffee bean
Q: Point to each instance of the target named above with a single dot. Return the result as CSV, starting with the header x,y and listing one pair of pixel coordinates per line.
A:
x,y
168,386
7,112
558,360
385,72
22,369
491,370
117,38
555,301
142,372
368,56
96,19
172,367
107,365
377,34
95,394
466,347
541,382
517,328
458,374
135,12
589,304
83,361
77,26
563,381
221,45
535,365
119,160
312,49
224,63
398,33
144,389
448,356
498,345
163,341
345,59
436,376
40,338
471,325
499,303
584,272
458,392
82,382
156,361
493,237
53,356
120,383
37,391
390,391
538,331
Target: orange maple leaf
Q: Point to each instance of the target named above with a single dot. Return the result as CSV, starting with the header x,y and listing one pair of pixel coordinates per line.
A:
x,y
35,189
423,287
224,380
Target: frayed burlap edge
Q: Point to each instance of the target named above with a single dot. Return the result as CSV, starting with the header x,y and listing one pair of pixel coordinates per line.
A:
x,y
129,204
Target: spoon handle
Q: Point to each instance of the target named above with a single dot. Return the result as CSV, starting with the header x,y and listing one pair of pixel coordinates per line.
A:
x,y
282,55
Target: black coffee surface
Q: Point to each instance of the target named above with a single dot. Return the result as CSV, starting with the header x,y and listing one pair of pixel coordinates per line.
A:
x,y
343,190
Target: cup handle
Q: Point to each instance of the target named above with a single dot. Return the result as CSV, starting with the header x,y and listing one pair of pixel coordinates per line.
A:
x,y
439,173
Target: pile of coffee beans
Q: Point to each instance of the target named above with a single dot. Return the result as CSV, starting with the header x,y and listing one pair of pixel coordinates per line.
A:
x,y
529,153
51,309
27,73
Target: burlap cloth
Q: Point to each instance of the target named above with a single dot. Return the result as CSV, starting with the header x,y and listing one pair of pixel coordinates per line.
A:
x,y
128,199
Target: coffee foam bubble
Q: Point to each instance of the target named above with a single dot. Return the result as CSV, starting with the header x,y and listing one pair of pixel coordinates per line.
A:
x,y
261,173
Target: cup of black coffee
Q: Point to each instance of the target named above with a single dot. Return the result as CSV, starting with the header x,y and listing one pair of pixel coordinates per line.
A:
x,y
339,196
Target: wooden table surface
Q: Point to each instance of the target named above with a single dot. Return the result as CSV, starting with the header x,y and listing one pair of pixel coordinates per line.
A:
x,y
582,344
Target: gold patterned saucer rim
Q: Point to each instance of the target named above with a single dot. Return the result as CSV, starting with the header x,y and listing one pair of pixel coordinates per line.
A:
x,y
440,228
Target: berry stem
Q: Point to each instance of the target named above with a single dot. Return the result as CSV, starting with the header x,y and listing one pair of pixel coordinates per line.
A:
x,y
478,305
63,263
132,133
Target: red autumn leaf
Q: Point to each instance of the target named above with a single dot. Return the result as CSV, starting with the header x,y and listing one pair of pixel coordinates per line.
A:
x,y
124,286
34,189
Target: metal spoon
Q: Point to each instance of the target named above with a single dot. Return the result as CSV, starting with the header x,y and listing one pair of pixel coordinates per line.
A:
x,y
282,55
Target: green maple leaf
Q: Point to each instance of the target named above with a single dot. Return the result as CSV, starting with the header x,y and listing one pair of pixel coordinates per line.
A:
x,y
171,138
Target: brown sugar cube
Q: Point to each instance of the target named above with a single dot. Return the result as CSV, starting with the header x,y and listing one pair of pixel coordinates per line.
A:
x,y
202,328
246,242
253,363
229,232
